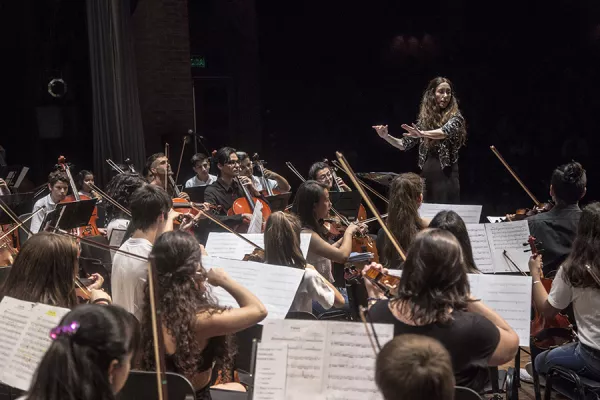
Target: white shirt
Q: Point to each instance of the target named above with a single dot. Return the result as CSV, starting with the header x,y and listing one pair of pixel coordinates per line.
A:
x,y
586,303
37,219
257,183
129,276
312,287
321,264
195,181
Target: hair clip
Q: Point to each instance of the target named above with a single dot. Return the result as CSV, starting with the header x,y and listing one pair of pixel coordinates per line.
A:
x,y
68,330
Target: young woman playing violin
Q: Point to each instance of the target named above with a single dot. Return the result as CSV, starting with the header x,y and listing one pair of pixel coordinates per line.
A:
x,y
312,206
440,132
450,221
433,299
197,330
578,282
45,271
406,196
82,183
282,247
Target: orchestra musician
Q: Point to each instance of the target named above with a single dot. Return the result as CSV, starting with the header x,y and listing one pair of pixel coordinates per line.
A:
x,y
120,188
90,355
577,282
44,272
321,172
274,180
58,183
201,167
197,330
282,247
4,189
82,183
450,221
433,299
404,221
557,228
160,168
440,131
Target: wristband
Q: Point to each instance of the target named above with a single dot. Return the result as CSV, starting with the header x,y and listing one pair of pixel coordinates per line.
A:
x,y
107,301
536,282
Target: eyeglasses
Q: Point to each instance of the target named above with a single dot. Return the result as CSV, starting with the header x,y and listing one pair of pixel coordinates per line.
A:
x,y
232,162
325,177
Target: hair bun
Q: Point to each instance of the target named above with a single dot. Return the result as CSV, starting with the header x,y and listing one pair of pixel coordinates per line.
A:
x,y
573,172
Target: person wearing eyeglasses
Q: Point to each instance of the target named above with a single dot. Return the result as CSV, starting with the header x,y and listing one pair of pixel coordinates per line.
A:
x,y
321,172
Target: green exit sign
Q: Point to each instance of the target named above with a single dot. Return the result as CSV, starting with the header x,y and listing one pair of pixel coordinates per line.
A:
x,y
198,62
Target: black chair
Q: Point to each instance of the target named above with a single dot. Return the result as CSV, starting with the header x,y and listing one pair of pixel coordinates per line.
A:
x,y
571,385
300,315
9,393
141,385
96,260
334,315
463,393
4,271
23,236
220,394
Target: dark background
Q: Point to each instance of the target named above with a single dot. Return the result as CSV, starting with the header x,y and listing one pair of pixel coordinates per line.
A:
x,y
297,81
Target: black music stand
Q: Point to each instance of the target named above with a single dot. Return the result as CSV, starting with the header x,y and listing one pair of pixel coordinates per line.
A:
x,y
196,193
19,203
383,178
279,202
13,175
346,203
72,215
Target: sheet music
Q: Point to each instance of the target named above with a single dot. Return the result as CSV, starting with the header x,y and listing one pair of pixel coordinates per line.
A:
x,y
269,381
481,248
255,225
469,214
509,296
327,359
32,341
227,245
274,285
495,220
509,236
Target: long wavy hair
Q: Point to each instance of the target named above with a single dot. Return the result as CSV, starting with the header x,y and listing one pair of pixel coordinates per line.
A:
x,y
450,221
75,367
307,197
434,278
44,271
183,295
431,116
403,214
585,250
120,188
282,240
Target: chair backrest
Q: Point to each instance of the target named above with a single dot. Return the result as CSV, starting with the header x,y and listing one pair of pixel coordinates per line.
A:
x,y
300,315
244,340
463,393
334,315
23,236
220,394
141,385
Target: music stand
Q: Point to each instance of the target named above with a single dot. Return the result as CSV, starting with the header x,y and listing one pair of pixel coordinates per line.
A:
x,y
278,202
196,193
346,203
13,175
383,178
72,215
19,203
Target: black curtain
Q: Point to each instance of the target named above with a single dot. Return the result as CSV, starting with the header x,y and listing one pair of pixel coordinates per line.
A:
x,y
117,122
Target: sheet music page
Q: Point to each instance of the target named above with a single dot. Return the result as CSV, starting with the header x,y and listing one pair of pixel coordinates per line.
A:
x,y
509,236
481,248
350,360
469,214
33,343
227,245
255,225
274,285
271,371
306,354
509,296
13,320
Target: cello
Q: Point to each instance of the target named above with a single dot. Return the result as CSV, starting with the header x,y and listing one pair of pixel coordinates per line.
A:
x,y
91,229
246,204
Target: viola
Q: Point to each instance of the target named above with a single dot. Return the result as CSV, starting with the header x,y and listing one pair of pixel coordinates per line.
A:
x,y
91,229
547,333
246,204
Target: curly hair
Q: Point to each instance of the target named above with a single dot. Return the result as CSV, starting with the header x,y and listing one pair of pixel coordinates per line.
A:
x,y
431,116
120,188
434,278
183,295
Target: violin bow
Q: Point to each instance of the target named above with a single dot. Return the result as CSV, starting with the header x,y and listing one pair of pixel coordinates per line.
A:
x,y
514,175
15,217
110,200
19,223
370,204
185,140
369,188
362,312
114,166
592,273
157,331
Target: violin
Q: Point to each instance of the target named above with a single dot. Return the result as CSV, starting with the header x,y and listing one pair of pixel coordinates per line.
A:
x,y
91,229
547,333
246,204
387,283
